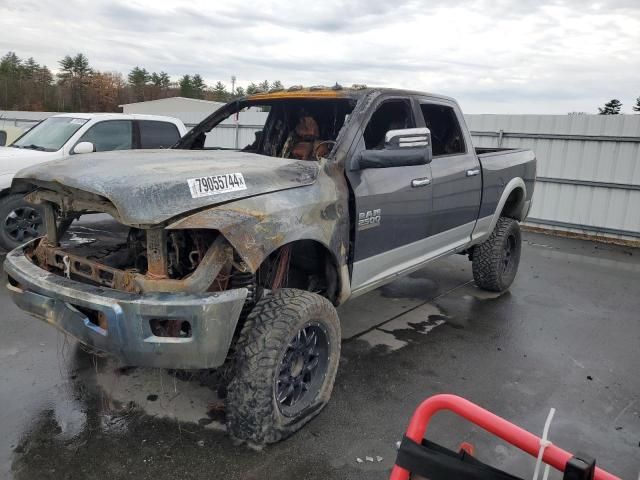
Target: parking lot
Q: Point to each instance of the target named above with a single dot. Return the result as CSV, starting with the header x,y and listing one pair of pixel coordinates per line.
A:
x,y
566,335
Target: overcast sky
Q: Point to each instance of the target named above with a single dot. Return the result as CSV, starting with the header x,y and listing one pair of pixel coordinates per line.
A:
x,y
517,56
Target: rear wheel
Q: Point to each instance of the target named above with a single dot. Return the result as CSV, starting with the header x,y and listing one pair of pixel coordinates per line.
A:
x,y
286,362
496,260
20,221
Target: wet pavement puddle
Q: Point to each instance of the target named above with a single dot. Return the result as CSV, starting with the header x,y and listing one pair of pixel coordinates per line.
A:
x,y
422,320
160,394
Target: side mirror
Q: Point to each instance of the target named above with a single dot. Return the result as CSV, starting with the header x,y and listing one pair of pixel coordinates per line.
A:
x,y
84,147
402,148
408,138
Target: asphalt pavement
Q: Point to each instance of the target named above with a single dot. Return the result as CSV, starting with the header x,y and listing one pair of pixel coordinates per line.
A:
x,y
566,335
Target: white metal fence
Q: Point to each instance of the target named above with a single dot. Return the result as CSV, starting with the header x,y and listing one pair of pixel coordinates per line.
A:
x,y
588,168
588,165
236,132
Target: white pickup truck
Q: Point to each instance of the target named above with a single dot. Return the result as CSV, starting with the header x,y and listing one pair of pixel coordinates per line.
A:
x,y
68,134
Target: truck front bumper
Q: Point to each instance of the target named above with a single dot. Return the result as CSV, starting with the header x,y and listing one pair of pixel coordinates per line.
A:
x,y
67,305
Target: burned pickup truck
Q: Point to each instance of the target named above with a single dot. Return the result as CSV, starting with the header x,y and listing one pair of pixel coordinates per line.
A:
x,y
236,258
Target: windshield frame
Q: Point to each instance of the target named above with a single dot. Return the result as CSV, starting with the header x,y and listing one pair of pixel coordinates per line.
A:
x,y
24,142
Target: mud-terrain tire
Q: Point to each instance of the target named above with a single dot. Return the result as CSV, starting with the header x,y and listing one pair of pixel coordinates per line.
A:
x,y
496,260
19,221
278,329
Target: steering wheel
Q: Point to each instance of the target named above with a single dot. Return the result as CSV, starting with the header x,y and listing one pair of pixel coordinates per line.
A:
x,y
315,149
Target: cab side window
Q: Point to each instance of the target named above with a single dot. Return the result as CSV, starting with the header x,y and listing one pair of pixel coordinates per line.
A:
x,y
446,135
110,135
155,134
391,115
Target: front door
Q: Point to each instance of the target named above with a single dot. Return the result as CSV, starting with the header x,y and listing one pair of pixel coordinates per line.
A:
x,y
392,204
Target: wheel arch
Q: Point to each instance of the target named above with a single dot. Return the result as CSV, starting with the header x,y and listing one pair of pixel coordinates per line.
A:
x,y
512,203
309,257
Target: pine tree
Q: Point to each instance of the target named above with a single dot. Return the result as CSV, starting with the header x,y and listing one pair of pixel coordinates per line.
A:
x,y
75,73
239,92
636,107
161,79
612,107
160,84
198,86
30,68
138,79
252,89
186,90
10,82
220,93
264,86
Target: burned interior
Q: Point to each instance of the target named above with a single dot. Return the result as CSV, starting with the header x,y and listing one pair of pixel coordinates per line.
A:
x,y
300,128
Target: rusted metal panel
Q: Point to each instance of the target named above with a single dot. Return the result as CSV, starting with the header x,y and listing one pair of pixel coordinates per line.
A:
x,y
52,257
218,256
157,265
50,223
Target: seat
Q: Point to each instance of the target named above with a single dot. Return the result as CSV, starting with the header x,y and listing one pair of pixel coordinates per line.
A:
x,y
303,140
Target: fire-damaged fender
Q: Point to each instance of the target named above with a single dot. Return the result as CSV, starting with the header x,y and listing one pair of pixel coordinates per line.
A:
x,y
257,226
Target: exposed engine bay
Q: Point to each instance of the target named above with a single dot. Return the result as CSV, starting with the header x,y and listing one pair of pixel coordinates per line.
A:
x,y
109,254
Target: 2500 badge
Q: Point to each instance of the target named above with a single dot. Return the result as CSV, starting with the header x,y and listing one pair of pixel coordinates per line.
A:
x,y
216,184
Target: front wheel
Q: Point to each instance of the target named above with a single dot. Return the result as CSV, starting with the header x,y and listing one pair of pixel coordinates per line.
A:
x,y
496,260
286,362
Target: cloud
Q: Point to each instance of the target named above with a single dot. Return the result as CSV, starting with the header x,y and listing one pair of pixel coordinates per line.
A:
x,y
517,56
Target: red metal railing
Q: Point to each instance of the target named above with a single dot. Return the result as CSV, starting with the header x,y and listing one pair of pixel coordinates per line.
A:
x,y
526,441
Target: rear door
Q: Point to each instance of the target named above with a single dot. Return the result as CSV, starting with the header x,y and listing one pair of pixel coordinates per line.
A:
x,y
456,173
392,204
156,134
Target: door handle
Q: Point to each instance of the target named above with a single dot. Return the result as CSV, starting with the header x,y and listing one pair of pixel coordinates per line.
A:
x,y
420,182
473,173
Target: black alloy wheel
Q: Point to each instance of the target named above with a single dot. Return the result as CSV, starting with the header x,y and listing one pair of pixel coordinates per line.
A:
x,y
23,224
302,369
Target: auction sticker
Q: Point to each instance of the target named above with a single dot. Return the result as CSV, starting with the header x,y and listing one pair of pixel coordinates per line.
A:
x,y
216,184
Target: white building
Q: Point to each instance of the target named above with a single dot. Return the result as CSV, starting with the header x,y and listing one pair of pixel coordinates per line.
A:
x,y
190,110
234,132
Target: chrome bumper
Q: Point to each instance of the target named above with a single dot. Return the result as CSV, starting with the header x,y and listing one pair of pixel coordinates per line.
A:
x,y
128,336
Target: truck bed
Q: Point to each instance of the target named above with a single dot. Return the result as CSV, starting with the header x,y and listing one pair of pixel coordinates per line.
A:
x,y
495,150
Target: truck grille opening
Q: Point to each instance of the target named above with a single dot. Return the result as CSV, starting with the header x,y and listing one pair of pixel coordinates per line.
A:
x,y
170,328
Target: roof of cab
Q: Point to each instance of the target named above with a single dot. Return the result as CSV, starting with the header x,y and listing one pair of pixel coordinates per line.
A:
x,y
335,92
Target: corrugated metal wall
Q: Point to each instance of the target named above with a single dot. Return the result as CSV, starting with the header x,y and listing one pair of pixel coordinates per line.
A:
x,y
237,132
588,168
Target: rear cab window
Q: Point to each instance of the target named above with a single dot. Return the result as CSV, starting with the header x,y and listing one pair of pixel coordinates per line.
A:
x,y
446,134
157,134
